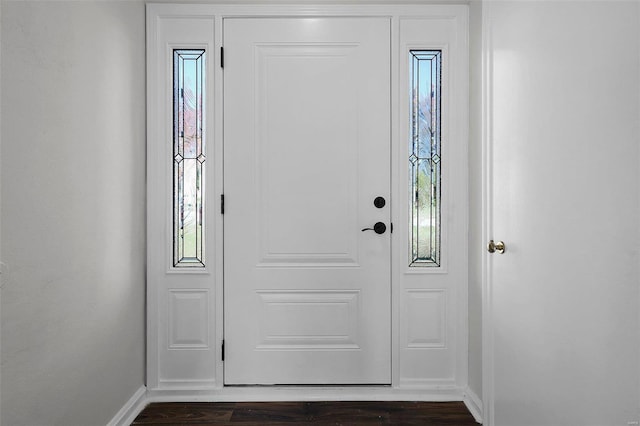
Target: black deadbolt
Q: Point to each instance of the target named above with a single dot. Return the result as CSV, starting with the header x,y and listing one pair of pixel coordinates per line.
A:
x,y
379,202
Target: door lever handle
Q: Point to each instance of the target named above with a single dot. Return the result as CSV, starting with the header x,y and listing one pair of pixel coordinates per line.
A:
x,y
378,228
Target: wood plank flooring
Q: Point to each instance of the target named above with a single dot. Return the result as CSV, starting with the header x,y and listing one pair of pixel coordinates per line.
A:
x,y
302,413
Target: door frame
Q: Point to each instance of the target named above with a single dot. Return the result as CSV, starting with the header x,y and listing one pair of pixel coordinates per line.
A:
x,y
171,370
487,217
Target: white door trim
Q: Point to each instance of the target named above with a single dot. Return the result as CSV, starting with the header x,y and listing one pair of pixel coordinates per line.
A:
x,y
167,373
487,222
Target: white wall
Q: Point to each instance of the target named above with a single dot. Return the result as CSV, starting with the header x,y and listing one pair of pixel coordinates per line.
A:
x,y
476,245
73,210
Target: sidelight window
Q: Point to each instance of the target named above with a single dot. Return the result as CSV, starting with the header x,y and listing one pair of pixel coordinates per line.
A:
x,y
188,157
425,157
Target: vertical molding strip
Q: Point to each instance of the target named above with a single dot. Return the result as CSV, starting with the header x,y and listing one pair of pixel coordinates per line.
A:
x,y
487,216
1,262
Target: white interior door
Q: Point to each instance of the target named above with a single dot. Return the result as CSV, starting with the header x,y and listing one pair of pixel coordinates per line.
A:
x,y
563,299
307,294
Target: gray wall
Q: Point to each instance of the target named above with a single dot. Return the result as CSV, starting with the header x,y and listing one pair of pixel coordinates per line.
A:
x,y
73,209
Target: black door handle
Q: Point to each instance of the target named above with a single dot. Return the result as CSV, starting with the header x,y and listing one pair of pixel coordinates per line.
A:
x,y
378,228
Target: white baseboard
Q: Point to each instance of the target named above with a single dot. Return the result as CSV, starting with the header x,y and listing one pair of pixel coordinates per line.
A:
x,y
473,403
292,393
130,409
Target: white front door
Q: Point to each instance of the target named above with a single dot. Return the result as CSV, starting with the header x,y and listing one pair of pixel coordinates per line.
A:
x,y
307,294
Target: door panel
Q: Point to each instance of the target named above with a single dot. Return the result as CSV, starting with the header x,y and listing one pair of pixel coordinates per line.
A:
x,y
294,159
306,148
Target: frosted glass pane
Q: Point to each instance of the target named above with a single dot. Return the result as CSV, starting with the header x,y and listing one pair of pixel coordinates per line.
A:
x,y
188,157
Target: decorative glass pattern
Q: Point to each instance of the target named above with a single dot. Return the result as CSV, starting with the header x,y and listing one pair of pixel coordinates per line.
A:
x,y
188,157
425,157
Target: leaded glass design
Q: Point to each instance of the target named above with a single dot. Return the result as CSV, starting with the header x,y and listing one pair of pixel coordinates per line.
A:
x,y
188,157
425,157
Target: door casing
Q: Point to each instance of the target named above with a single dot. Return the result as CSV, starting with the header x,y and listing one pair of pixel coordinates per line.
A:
x,y
430,365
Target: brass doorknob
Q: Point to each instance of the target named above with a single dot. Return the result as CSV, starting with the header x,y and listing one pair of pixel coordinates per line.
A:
x,y
495,247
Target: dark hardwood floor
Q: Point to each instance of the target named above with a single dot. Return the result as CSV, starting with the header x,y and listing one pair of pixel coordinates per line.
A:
x,y
301,413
